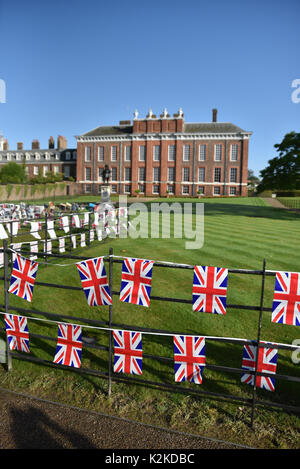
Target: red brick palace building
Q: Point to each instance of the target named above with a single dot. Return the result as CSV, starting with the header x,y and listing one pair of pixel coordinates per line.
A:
x,y
160,155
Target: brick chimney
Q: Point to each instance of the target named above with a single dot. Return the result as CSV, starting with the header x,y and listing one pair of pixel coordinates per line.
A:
x,y
19,145
5,145
51,143
214,115
61,142
35,144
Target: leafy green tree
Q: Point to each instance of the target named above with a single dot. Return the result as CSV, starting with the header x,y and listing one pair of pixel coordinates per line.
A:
x,y
13,173
283,171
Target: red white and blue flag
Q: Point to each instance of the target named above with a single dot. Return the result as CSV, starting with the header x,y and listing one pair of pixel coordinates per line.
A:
x,y
286,299
128,353
189,358
23,277
94,282
69,345
266,363
17,332
210,289
136,281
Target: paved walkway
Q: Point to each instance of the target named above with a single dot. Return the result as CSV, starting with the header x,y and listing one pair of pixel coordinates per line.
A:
x,y
29,423
274,202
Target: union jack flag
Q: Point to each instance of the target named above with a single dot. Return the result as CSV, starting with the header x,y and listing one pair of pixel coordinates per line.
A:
x,y
17,332
210,289
136,281
94,281
286,299
266,363
69,345
189,358
128,352
23,277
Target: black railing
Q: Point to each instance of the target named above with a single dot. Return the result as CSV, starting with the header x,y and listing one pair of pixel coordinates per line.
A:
x,y
109,325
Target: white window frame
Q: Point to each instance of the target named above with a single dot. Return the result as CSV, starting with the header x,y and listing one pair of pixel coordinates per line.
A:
x,y
156,153
171,154
185,171
88,154
218,171
142,153
127,169
114,153
144,178
127,188
234,156
155,186
186,153
85,173
217,156
127,153
235,172
173,170
202,155
156,169
101,153
201,169
114,170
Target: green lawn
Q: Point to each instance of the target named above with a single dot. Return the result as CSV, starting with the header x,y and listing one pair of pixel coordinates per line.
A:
x,y
238,233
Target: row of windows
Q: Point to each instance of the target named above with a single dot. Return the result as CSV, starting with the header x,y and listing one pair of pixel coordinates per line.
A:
x,y
37,156
186,154
45,170
186,174
185,190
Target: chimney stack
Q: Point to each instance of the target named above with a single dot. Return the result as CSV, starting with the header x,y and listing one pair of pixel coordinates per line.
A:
x,y
214,115
51,142
61,142
5,145
19,145
35,145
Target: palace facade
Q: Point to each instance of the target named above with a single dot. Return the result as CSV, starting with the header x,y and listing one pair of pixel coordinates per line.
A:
x,y
152,155
155,156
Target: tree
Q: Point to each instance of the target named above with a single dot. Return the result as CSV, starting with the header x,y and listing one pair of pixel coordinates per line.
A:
x,y
13,173
283,171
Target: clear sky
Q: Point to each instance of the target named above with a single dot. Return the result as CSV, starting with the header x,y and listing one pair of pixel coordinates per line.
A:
x,y
72,65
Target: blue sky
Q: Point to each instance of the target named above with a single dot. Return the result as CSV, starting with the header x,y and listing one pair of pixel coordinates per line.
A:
x,y
70,66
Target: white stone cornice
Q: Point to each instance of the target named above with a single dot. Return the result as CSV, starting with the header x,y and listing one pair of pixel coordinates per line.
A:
x,y
163,136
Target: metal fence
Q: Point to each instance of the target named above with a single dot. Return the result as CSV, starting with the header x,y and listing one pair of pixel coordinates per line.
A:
x,y
108,326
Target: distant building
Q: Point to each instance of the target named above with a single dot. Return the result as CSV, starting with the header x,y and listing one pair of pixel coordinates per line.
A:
x,y
160,155
42,161
153,155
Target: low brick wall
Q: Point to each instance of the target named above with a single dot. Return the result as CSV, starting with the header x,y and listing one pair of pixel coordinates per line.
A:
x,y
25,192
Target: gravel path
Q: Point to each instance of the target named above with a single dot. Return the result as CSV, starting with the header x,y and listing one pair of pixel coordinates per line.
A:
x,y
274,202
29,423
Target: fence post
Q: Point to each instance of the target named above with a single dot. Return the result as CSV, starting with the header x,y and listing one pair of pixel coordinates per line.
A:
x,y
6,299
258,340
46,237
89,230
11,243
110,309
70,224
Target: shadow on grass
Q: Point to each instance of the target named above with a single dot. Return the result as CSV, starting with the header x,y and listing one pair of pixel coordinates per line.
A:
x,y
231,209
